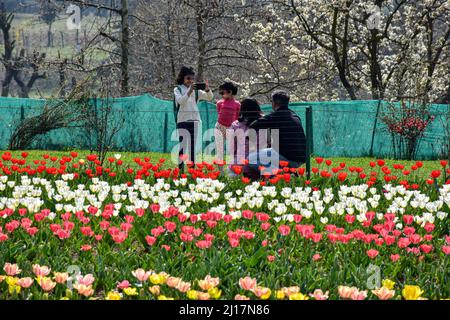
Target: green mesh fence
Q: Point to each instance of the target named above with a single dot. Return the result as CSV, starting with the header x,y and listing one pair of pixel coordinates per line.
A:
x,y
145,123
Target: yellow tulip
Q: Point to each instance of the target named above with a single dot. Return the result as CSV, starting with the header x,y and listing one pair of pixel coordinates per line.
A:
x,y
266,295
69,293
130,291
157,279
215,293
192,294
412,292
14,289
279,294
163,297
11,280
387,283
298,296
113,295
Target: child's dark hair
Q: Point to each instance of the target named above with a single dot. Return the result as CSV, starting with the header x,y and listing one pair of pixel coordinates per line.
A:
x,y
229,86
184,71
250,111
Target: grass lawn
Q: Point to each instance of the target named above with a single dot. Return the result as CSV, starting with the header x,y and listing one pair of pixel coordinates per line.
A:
x,y
128,158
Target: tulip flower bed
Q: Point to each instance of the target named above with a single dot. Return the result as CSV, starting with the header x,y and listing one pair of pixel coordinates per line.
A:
x,y
72,229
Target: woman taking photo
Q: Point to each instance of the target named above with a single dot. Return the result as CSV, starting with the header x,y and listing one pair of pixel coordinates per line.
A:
x,y
187,116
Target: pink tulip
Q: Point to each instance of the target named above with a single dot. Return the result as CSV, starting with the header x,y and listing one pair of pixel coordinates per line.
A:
x,y
317,257
84,290
319,295
359,295
150,240
155,290
395,257
203,244
208,283
408,219
86,247
165,247
446,250
25,282
290,290
233,242
284,230
46,284
172,282
141,274
429,227
247,283
372,253
11,269
123,285
87,280
203,295
241,297
3,237
260,291
346,292
426,248
183,286
265,226
41,271
61,277
384,293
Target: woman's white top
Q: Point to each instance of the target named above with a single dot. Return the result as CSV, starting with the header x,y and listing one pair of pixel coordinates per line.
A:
x,y
188,106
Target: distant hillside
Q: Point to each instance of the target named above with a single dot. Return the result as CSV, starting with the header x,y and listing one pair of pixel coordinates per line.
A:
x,y
32,6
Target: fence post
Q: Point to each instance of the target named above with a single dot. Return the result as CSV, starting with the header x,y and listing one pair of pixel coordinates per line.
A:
x,y
309,140
165,133
374,128
22,113
206,104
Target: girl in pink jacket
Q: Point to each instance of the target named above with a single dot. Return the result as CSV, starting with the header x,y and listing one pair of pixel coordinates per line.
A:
x,y
228,111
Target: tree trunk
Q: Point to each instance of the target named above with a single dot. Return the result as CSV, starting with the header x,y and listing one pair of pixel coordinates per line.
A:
x,y
375,70
6,82
170,35
341,65
201,43
49,36
124,49
62,78
5,25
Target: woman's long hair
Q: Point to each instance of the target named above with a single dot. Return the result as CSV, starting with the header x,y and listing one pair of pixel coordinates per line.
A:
x,y
184,71
250,111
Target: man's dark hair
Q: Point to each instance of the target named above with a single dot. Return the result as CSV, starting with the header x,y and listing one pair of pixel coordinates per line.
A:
x,y
229,86
184,71
281,98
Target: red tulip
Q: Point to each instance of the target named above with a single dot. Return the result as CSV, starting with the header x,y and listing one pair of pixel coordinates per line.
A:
x,y
284,230
395,257
372,253
435,174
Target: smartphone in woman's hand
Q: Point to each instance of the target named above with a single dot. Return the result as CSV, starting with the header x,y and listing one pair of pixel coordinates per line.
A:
x,y
200,86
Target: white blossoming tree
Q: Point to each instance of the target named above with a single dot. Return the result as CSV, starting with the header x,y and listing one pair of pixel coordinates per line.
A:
x,y
352,49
